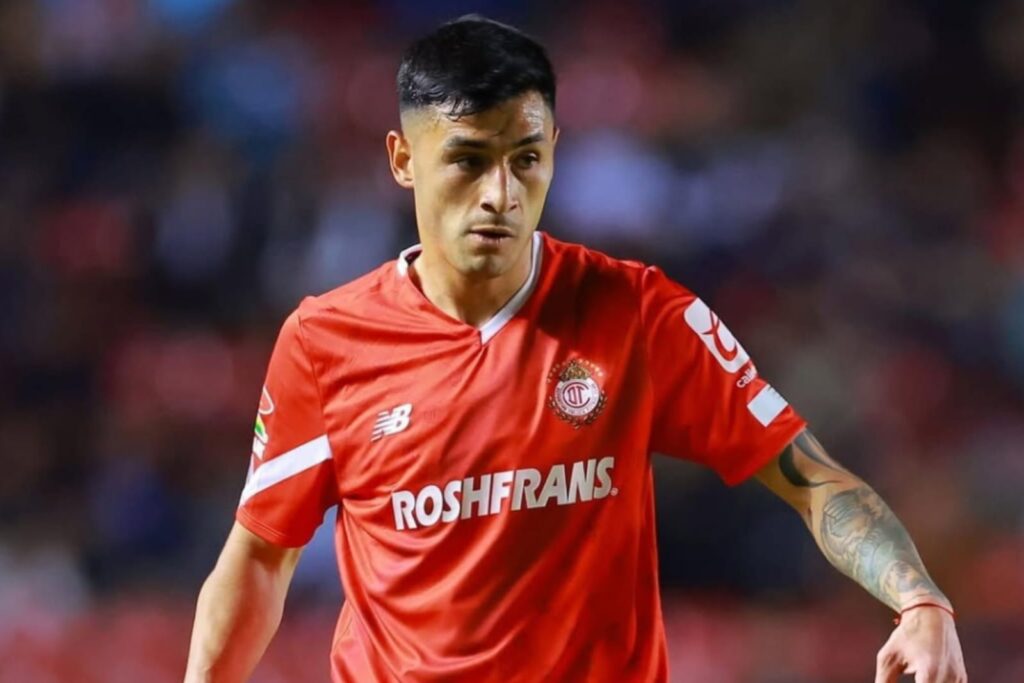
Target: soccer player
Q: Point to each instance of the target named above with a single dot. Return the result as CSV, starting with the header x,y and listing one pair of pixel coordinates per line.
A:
x,y
483,410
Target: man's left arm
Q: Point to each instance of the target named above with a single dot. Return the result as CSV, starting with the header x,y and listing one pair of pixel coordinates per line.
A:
x,y
862,538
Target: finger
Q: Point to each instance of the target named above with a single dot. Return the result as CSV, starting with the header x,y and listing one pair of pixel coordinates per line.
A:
x,y
928,672
950,672
959,669
888,667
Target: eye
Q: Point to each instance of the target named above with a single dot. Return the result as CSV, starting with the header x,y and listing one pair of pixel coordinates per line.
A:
x,y
527,161
470,163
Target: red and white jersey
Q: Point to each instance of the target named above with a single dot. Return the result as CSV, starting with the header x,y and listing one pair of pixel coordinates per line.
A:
x,y
496,518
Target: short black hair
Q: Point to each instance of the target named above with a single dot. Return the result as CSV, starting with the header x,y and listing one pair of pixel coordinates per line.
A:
x,y
472,64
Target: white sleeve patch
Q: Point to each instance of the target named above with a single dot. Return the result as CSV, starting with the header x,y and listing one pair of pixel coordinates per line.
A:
x,y
767,405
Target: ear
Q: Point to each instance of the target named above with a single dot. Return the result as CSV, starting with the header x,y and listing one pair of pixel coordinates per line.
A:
x,y
554,136
400,158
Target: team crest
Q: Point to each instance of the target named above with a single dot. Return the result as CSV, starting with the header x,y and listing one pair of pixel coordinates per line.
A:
x,y
577,397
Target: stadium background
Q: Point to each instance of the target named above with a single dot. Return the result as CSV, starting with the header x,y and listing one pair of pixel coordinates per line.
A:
x,y
843,181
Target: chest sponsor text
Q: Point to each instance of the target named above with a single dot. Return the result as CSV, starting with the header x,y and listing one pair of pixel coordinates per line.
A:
x,y
510,490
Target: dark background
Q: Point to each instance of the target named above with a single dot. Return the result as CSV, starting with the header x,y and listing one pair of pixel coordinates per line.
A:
x,y
842,181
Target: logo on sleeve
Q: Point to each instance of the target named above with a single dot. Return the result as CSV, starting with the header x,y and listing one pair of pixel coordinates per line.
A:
x,y
266,403
259,441
577,398
391,421
716,336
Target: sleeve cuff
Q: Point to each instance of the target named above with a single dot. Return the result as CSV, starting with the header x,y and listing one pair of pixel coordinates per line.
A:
x,y
767,450
268,534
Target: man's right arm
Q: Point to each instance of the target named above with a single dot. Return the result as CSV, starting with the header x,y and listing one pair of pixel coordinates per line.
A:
x,y
239,608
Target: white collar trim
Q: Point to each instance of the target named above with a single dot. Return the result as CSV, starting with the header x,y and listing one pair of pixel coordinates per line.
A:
x,y
509,310
403,258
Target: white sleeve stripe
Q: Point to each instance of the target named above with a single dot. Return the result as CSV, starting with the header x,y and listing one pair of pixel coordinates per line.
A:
x,y
767,405
286,465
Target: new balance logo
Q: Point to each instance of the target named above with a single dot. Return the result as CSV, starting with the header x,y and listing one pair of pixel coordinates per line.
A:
x,y
391,421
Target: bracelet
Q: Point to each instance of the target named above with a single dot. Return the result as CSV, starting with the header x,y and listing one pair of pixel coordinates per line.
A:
x,y
899,617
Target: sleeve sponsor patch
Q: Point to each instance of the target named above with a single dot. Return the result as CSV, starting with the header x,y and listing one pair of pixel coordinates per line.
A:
x,y
767,405
716,336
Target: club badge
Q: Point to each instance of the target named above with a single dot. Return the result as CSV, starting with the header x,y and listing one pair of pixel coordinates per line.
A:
x,y
577,397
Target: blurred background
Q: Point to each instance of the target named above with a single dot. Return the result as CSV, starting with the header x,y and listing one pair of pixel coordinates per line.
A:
x,y
842,181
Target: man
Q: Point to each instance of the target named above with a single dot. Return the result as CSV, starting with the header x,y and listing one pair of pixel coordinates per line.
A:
x,y
483,411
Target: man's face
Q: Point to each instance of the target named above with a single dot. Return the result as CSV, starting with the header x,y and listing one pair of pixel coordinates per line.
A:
x,y
479,181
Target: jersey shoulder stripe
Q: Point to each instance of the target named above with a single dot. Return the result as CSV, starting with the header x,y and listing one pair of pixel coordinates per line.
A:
x,y
287,465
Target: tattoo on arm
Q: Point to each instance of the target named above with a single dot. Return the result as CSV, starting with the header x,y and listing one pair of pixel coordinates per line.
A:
x,y
863,538
810,447
858,532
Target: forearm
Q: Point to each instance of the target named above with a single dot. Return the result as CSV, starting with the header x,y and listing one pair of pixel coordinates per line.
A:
x,y
855,529
862,538
237,614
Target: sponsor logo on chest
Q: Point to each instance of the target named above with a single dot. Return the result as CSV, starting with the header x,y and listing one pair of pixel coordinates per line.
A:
x,y
575,395
512,490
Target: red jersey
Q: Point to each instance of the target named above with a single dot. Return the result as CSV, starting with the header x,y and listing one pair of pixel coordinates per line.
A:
x,y
496,508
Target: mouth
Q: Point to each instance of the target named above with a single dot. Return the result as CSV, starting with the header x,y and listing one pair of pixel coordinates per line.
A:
x,y
492,230
491,234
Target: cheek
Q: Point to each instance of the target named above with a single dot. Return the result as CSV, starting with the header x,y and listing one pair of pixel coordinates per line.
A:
x,y
438,189
454,193
536,189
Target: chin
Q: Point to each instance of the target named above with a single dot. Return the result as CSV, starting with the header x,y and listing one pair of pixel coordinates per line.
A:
x,y
485,266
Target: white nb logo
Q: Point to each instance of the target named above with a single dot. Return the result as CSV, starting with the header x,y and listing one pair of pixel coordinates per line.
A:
x,y
391,421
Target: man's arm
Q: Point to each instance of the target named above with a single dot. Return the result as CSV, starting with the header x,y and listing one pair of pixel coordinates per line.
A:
x,y
239,608
862,538
852,525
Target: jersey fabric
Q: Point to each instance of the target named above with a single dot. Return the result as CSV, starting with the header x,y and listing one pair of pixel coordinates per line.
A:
x,y
496,507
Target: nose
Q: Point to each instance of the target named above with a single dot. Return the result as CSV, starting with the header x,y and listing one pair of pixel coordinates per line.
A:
x,y
498,195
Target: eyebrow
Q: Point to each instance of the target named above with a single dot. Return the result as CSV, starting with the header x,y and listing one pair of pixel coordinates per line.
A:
x,y
461,141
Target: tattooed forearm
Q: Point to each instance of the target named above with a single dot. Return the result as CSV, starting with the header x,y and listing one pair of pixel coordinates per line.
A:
x,y
856,530
863,538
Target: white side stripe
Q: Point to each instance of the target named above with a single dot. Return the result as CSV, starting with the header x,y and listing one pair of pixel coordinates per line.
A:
x,y
295,461
767,405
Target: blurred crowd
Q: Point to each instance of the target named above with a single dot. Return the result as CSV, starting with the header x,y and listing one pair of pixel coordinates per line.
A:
x,y
842,181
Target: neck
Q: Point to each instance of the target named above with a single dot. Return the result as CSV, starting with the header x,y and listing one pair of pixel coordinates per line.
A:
x,y
473,301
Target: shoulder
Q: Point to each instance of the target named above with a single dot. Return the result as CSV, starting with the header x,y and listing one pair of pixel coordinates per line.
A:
x,y
355,298
581,262
624,285
597,272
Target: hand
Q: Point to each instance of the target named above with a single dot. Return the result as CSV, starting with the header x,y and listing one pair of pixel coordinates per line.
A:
x,y
924,644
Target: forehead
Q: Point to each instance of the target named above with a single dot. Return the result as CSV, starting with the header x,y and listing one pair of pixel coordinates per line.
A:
x,y
508,122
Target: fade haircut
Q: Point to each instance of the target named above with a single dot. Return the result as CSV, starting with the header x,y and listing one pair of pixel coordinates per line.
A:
x,y
471,64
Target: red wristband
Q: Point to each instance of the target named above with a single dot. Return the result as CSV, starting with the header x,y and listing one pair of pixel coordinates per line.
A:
x,y
899,617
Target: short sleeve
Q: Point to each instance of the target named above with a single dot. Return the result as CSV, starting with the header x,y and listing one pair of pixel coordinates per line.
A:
x,y
291,481
710,404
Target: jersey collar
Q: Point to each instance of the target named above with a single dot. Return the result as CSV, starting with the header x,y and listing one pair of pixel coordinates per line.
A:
x,y
502,317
